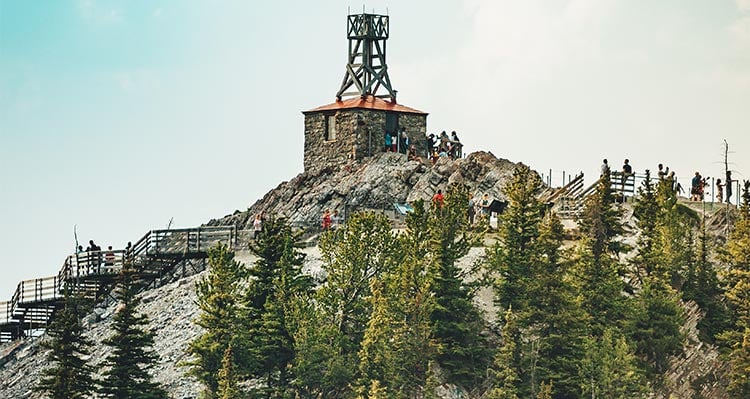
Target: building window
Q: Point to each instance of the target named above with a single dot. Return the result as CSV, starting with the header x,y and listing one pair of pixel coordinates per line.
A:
x,y
330,133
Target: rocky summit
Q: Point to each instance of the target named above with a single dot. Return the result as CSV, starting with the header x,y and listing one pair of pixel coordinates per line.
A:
x,y
383,180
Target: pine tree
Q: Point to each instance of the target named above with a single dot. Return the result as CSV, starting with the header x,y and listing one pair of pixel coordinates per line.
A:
x,y
218,297
227,377
654,326
510,260
597,272
737,256
457,323
70,376
127,368
646,211
331,329
504,372
739,363
276,284
702,285
610,369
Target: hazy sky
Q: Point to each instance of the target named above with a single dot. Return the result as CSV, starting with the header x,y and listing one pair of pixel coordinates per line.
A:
x,y
117,116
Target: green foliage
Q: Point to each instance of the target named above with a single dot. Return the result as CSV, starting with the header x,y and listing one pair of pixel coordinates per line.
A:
x,y
397,345
512,257
332,328
654,326
739,363
737,278
702,285
218,298
276,284
503,373
597,273
69,377
127,368
227,377
610,369
457,323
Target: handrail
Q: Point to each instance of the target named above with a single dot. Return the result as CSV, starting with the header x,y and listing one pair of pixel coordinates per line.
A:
x,y
94,264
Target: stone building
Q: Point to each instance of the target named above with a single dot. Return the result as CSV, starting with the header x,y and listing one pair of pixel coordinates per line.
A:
x,y
356,127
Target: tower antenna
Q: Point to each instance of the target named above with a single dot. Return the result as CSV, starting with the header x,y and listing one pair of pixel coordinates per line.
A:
x,y
366,69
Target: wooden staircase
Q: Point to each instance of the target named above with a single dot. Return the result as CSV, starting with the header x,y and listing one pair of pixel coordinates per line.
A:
x,y
157,257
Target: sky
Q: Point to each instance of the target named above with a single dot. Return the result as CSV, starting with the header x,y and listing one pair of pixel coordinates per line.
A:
x,y
119,116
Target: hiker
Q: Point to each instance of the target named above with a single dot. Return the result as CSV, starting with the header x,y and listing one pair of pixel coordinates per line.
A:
x,y
438,199
394,142
335,220
719,191
627,170
471,212
454,137
605,169
662,173
80,249
728,184
128,250
109,257
404,141
387,146
257,226
430,141
327,220
412,155
695,187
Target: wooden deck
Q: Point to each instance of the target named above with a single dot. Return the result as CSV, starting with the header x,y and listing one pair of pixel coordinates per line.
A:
x,y
159,255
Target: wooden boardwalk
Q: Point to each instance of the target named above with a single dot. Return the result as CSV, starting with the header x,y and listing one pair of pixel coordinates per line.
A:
x,y
158,256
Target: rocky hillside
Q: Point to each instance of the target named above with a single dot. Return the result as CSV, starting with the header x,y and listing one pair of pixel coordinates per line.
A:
x,y
386,179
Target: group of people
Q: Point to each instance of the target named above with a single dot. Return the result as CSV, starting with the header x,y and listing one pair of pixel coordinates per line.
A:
x,y
698,183
443,145
396,141
94,256
331,220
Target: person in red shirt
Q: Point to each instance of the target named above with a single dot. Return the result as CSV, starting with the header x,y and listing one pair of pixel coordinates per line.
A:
x,y
327,220
438,199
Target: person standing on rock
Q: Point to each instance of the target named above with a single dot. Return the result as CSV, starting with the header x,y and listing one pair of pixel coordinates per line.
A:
x,y
403,141
387,146
438,199
327,220
257,226
472,210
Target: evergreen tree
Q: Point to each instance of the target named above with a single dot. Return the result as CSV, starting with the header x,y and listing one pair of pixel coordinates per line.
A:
x,y
545,391
597,273
739,363
737,256
512,257
503,372
655,324
646,211
127,368
218,297
702,285
331,329
610,369
276,284
227,377
554,317
457,323
70,376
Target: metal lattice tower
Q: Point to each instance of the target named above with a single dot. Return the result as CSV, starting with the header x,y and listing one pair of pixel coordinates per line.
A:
x,y
366,70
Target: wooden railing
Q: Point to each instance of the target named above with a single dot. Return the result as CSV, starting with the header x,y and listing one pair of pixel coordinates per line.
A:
x,y
94,265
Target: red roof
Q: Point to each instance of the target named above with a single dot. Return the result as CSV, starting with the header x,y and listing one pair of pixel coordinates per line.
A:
x,y
369,102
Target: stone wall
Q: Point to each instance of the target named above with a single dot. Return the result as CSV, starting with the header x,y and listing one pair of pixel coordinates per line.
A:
x,y
360,133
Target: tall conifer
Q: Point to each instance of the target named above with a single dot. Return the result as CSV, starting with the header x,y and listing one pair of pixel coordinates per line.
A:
x,y
128,368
